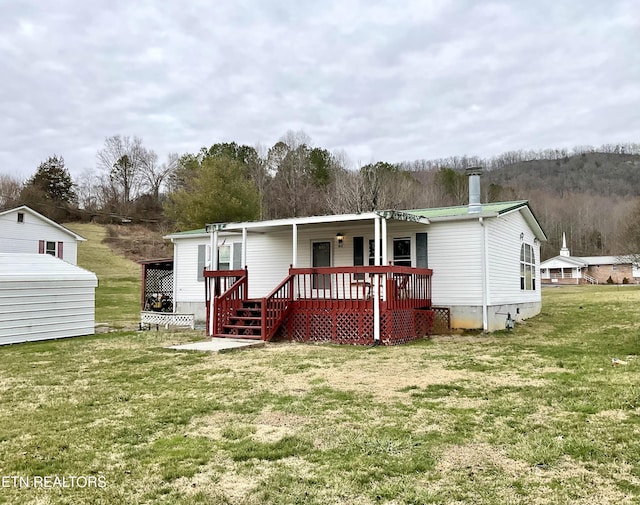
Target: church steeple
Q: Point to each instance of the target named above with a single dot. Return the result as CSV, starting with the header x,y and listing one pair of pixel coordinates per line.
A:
x,y
564,251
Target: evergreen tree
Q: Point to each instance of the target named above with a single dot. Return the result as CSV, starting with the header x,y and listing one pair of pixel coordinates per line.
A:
x,y
218,191
53,181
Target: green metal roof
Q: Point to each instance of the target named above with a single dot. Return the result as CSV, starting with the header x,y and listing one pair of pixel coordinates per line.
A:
x,y
463,210
199,231
436,214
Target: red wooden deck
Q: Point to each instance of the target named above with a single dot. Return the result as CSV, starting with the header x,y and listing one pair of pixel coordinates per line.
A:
x,y
333,304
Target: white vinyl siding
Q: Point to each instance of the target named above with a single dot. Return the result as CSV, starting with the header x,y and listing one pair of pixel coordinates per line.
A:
x,y
504,245
25,236
268,260
454,251
42,297
186,269
455,257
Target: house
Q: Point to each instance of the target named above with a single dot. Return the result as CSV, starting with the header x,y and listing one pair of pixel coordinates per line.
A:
x,y
23,230
43,297
374,277
567,269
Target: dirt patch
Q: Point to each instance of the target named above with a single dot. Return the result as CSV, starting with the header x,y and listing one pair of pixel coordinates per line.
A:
x,y
137,242
478,457
272,426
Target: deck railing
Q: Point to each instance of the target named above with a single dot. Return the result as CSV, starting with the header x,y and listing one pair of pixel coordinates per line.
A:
x,y
349,289
229,289
275,307
353,287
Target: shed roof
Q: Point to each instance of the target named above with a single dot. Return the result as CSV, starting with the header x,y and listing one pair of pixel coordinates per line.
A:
x,y
31,267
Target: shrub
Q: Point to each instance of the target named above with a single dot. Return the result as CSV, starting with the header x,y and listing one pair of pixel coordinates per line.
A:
x,y
625,281
609,280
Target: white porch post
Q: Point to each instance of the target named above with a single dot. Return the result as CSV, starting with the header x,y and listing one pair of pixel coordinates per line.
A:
x,y
294,253
376,283
244,247
385,259
212,291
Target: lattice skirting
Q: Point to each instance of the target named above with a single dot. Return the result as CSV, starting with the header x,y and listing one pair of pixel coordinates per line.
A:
x,y
167,319
341,326
441,320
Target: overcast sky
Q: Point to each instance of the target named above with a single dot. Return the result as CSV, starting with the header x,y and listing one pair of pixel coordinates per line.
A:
x,y
393,80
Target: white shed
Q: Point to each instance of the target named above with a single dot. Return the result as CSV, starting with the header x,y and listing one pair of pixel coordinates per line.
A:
x,y
43,297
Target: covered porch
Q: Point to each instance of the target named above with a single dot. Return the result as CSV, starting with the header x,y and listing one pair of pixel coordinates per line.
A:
x,y
355,278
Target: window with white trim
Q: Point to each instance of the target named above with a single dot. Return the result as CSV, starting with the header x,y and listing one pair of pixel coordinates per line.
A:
x,y
527,268
50,248
402,252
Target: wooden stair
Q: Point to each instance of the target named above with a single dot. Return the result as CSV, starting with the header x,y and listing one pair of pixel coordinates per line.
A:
x,y
245,322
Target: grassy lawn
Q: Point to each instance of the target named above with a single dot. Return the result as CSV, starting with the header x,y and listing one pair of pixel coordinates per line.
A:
x,y
118,295
535,416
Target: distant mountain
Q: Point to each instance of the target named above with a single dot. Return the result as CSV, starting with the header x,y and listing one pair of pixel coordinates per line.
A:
x,y
603,174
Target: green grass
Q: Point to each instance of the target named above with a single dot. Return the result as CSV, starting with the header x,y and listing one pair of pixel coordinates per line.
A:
x,y
118,295
537,415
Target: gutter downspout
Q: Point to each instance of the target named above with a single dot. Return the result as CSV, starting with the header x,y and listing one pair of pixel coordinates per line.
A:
x,y
485,281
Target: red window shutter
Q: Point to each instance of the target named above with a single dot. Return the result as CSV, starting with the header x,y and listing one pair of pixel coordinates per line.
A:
x,y
41,247
60,249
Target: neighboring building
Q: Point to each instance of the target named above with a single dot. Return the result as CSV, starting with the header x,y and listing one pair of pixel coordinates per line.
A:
x,y
567,269
23,230
371,273
43,298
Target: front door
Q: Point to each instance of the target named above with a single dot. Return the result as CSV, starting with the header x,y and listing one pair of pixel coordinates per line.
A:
x,y
321,257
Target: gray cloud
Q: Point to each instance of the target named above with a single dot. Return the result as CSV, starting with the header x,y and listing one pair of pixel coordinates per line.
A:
x,y
379,81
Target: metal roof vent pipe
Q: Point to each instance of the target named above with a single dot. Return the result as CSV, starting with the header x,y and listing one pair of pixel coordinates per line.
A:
x,y
474,174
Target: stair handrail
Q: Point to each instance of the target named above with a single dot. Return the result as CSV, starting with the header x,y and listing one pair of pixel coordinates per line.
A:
x,y
276,306
227,301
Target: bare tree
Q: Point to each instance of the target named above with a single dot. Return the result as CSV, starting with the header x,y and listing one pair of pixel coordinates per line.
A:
x,y
10,189
122,159
155,174
88,189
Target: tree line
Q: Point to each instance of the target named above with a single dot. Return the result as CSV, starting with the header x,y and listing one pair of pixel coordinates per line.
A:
x,y
567,189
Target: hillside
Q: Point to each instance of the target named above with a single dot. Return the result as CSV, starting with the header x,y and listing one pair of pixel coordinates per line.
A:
x,y
119,288
603,174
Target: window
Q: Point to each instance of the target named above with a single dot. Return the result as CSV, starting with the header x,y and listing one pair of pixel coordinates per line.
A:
x,y
527,268
203,253
224,257
422,258
402,252
50,248
372,251
20,217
